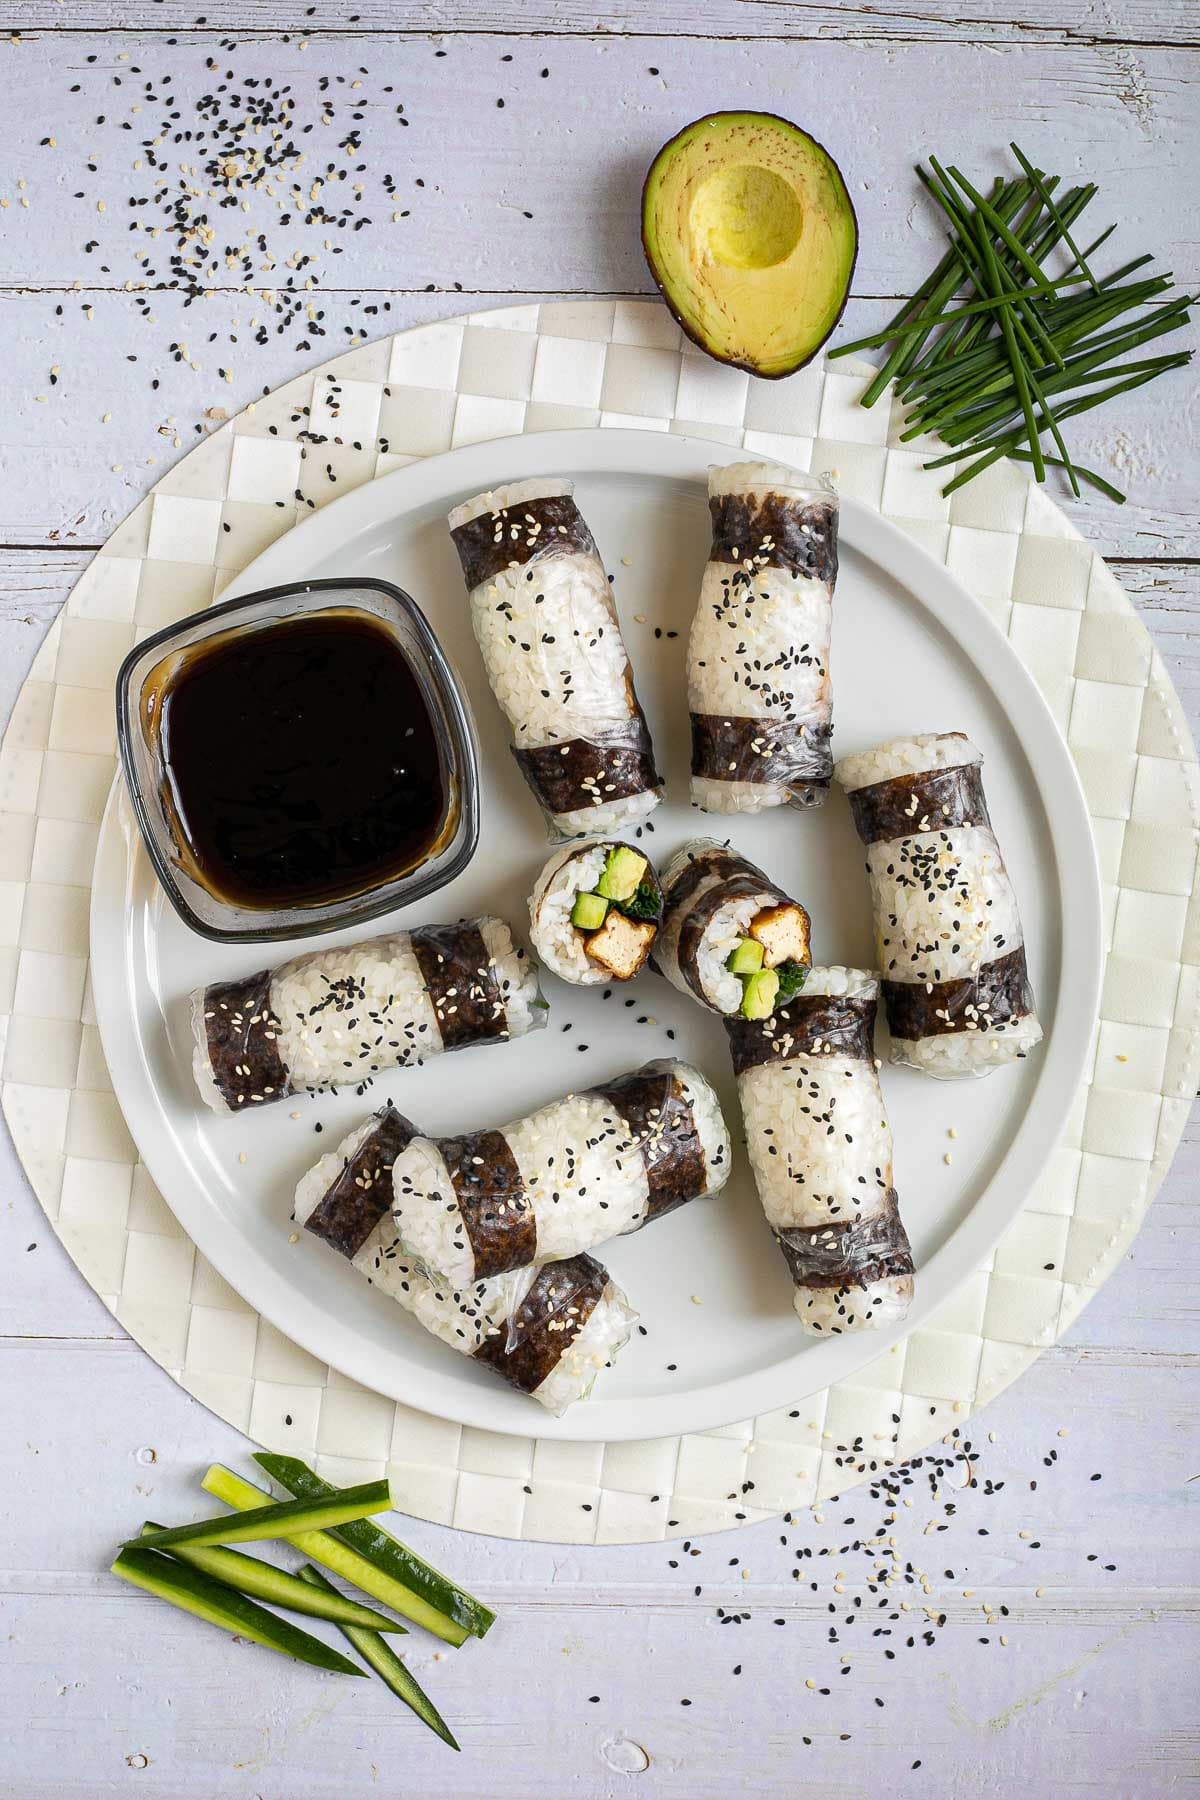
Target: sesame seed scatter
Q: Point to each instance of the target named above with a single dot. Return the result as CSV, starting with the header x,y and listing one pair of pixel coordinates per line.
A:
x,y
868,1590
219,184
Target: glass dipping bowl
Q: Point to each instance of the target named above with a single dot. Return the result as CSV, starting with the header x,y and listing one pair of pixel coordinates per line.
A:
x,y
225,920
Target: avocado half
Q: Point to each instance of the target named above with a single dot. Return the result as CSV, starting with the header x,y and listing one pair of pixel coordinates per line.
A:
x,y
751,236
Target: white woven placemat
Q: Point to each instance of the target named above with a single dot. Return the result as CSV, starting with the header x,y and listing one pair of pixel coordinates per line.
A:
x,y
535,368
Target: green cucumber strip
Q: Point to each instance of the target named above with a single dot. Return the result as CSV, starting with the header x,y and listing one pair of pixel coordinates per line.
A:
x,y
383,1550
389,1668
197,1593
324,1548
277,1518
263,1581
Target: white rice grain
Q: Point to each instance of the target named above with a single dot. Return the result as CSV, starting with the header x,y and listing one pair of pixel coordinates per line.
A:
x,y
570,872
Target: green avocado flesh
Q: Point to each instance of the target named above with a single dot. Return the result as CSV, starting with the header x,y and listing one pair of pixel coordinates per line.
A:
x,y
758,994
751,236
745,957
622,873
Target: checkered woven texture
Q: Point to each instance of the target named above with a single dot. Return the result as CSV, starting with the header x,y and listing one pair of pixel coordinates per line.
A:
x,y
538,368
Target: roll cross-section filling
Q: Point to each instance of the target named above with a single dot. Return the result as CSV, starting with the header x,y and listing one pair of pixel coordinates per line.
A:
x,y
594,912
548,632
730,938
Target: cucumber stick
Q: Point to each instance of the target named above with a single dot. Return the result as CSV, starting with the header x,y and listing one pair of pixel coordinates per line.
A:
x,y
387,1665
324,1548
197,1593
383,1550
277,1519
263,1581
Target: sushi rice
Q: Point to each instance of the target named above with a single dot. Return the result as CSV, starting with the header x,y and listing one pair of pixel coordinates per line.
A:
x,y
944,907
758,651
336,1016
821,1152
551,643
570,872
578,1174
485,1316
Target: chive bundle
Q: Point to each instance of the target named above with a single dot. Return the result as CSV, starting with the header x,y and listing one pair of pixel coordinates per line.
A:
x,y
993,351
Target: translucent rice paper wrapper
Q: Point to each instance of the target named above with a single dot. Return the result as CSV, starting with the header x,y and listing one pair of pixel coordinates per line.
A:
x,y
547,629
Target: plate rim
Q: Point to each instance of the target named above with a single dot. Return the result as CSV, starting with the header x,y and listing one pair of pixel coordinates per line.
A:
x,y
1063,1057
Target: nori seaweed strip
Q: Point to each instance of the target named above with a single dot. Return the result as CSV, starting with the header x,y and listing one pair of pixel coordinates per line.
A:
x,y
520,534
554,1311
461,982
996,994
496,1211
715,859
352,1206
779,751
933,800
242,1041
811,1024
872,1249
660,1119
776,531
592,771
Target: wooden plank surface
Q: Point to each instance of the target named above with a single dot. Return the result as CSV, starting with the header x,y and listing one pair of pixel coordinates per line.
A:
x,y
1125,23
102,1690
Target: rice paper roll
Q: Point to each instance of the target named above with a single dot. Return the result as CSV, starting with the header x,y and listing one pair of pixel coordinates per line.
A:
x,y
948,932
758,655
715,903
588,1167
594,912
336,1017
821,1150
546,1331
548,631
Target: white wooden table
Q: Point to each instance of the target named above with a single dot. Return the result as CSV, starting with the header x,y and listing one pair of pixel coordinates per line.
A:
x,y
1082,1686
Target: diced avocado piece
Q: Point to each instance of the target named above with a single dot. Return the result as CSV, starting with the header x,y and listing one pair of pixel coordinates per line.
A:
x,y
745,957
758,994
622,873
750,233
588,911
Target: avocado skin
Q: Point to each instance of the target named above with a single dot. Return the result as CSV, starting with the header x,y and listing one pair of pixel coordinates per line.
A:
x,y
709,350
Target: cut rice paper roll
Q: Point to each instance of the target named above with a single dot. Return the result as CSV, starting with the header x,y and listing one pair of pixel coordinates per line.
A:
x,y
336,1017
758,655
547,628
821,1150
948,932
547,1331
730,938
583,1169
594,912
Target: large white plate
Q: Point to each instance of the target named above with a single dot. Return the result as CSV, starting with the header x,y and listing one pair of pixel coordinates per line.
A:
x,y
912,652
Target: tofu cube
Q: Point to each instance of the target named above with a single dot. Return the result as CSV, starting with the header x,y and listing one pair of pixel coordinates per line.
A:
x,y
621,945
783,933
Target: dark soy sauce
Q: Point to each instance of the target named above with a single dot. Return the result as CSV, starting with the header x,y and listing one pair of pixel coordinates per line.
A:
x,y
301,760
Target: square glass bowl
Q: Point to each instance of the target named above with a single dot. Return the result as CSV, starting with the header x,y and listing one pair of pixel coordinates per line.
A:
x,y
147,670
